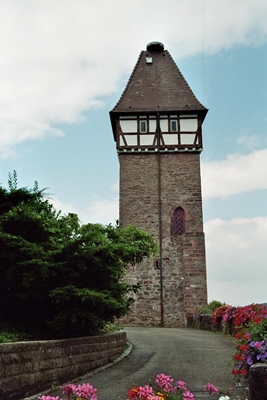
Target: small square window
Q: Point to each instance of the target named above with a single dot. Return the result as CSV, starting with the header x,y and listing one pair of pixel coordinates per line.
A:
x,y
173,126
143,126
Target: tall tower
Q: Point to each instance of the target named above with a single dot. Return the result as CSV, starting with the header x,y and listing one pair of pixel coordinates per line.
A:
x,y
157,126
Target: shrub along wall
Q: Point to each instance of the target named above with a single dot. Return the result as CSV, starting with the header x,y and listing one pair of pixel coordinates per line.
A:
x,y
203,322
27,368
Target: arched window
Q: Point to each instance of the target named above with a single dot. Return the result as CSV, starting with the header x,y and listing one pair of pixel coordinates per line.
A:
x,y
178,222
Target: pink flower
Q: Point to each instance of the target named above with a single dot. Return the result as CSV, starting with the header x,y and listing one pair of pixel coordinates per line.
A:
x,y
145,391
211,388
188,395
49,398
86,392
165,382
68,389
181,385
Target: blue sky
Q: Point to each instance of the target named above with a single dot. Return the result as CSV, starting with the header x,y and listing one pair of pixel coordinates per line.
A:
x,y
64,65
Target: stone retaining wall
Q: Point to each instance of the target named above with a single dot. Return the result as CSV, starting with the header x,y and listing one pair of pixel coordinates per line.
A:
x,y
27,368
203,322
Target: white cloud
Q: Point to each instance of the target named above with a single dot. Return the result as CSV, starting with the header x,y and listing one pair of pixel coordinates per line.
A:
x,y
236,174
60,57
65,208
236,260
100,210
249,141
104,211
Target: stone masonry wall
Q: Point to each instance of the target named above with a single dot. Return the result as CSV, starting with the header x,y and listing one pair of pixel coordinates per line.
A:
x,y
183,257
181,186
31,367
195,272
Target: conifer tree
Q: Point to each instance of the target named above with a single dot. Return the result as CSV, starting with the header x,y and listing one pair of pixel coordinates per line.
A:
x,y
58,277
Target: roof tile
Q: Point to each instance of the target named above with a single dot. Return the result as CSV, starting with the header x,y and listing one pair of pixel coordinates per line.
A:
x,y
159,86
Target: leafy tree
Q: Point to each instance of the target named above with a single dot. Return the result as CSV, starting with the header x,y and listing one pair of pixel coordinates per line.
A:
x,y
58,277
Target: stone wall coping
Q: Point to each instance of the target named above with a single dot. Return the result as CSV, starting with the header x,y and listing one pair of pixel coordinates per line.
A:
x,y
30,367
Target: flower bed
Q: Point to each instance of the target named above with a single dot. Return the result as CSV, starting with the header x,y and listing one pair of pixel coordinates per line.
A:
x,y
164,388
249,328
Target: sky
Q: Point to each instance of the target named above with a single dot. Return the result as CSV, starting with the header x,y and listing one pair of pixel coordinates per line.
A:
x,y
63,67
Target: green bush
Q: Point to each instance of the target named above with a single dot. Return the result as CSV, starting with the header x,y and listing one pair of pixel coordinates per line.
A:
x,y
207,309
258,331
58,277
200,322
9,334
215,304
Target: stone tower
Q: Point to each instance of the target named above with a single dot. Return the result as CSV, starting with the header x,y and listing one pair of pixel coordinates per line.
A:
x,y
157,126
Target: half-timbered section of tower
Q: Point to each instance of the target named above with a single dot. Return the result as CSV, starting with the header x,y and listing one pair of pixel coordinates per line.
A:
x,y
157,126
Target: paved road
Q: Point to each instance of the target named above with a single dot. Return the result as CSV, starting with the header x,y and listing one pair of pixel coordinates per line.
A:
x,y
196,357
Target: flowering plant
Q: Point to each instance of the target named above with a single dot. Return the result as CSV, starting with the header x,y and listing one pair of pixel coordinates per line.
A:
x,y
249,326
167,390
224,317
164,389
79,392
251,313
218,314
239,316
251,345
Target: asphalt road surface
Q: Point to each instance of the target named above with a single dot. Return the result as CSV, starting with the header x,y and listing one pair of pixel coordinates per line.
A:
x,y
194,356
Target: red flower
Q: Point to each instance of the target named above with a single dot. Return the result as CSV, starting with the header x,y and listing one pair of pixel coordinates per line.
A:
x,y
246,336
132,394
238,357
243,371
243,347
239,372
235,371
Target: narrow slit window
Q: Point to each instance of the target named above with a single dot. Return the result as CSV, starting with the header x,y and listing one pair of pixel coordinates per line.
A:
x,y
178,222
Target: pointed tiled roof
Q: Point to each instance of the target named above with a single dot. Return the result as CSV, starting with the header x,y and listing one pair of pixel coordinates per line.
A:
x,y
156,83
